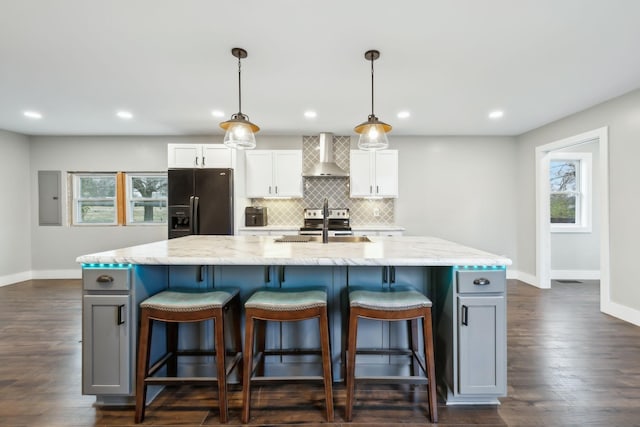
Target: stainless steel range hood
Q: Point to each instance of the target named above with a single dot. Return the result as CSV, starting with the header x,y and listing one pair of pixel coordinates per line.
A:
x,y
326,167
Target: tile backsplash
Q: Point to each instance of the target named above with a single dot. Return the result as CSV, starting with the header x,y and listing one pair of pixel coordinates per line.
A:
x,y
336,190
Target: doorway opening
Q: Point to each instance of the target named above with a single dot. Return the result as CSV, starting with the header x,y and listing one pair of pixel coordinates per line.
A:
x,y
543,226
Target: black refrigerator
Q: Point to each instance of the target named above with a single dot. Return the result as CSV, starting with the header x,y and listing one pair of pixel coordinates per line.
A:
x,y
200,202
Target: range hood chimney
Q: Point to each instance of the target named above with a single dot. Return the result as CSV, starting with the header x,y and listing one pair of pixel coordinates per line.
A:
x,y
326,166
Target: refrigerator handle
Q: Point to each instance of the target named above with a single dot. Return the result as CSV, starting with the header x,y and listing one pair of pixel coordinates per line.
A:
x,y
196,215
191,215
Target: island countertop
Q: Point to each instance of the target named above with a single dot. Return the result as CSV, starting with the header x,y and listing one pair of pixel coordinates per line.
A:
x,y
264,250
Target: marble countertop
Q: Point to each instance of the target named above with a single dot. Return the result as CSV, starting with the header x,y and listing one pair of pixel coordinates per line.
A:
x,y
263,250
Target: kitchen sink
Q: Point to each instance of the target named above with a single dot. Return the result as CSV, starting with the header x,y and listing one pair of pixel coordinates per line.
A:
x,y
332,239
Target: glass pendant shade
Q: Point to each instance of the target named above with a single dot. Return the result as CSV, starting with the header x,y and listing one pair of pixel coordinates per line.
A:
x,y
240,132
373,134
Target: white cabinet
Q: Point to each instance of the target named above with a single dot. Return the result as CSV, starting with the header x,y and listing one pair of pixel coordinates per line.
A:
x,y
200,156
377,232
273,173
374,173
261,231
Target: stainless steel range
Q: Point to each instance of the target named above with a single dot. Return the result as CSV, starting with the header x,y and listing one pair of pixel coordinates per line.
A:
x,y
339,222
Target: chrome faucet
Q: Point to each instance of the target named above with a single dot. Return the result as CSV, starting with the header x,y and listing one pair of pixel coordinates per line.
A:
x,y
325,221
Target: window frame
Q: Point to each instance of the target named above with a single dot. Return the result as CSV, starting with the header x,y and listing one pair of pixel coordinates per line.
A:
x,y
584,192
129,200
75,208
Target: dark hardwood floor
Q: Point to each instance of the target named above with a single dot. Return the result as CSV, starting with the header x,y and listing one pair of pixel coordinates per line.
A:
x,y
569,364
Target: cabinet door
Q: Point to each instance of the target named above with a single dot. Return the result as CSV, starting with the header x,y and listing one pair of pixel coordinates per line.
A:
x,y
287,173
183,155
360,174
481,345
106,344
216,156
386,173
259,174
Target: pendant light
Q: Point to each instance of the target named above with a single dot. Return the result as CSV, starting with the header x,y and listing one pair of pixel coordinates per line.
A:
x,y
240,131
373,132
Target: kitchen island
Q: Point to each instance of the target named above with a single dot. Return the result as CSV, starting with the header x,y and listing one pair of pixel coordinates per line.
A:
x,y
467,286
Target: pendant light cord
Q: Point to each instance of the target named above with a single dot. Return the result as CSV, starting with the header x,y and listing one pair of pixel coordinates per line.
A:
x,y
239,87
372,86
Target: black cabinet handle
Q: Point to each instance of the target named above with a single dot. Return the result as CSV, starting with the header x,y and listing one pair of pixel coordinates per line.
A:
x,y
267,275
482,281
392,274
465,315
282,274
105,278
385,274
201,273
120,314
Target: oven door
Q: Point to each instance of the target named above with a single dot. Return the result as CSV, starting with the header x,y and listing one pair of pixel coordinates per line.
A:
x,y
331,233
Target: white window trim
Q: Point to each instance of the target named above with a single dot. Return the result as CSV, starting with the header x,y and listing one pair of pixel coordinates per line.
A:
x,y
585,183
75,199
129,193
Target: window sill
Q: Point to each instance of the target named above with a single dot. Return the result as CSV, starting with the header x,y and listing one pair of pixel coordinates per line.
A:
x,y
570,229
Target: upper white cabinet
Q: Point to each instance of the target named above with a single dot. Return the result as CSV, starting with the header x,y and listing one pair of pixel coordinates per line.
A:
x,y
200,156
374,173
273,173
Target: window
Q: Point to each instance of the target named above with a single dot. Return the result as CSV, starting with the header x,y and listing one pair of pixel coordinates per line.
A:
x,y
570,192
116,198
146,198
94,198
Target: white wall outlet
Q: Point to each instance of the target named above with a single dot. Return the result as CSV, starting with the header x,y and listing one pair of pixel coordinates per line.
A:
x,y
376,212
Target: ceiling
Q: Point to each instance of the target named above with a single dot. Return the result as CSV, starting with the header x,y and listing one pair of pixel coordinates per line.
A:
x,y
449,63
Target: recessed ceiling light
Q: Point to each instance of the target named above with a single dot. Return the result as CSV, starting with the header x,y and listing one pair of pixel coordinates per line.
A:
x,y
124,115
496,114
32,114
217,113
404,115
310,114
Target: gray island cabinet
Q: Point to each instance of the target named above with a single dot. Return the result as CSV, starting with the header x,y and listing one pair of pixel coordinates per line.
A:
x,y
466,285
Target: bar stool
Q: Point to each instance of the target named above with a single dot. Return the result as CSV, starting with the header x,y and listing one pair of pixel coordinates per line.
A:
x,y
284,305
396,303
176,306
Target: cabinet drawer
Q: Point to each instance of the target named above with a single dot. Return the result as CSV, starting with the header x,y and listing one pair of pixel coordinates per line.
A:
x,y
105,279
477,281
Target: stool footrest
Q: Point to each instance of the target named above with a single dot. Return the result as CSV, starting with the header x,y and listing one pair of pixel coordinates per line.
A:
x,y
292,379
180,380
393,379
386,351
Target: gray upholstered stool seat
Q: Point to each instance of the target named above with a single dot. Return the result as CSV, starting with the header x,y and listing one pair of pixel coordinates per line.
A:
x,y
187,305
284,305
287,299
395,303
396,298
188,300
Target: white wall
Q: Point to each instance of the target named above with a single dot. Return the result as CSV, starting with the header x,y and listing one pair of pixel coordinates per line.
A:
x,y
15,226
579,253
622,116
459,188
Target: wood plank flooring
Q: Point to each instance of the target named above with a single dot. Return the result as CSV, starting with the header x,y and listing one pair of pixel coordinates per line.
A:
x,y
569,364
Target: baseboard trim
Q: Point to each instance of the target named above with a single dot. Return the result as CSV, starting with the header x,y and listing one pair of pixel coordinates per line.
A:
x,y
57,274
527,278
10,279
620,311
575,274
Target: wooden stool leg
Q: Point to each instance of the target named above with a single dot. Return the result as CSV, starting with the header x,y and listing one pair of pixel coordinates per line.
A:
x,y
172,347
247,368
326,363
352,339
237,333
413,345
431,371
260,342
144,350
221,365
